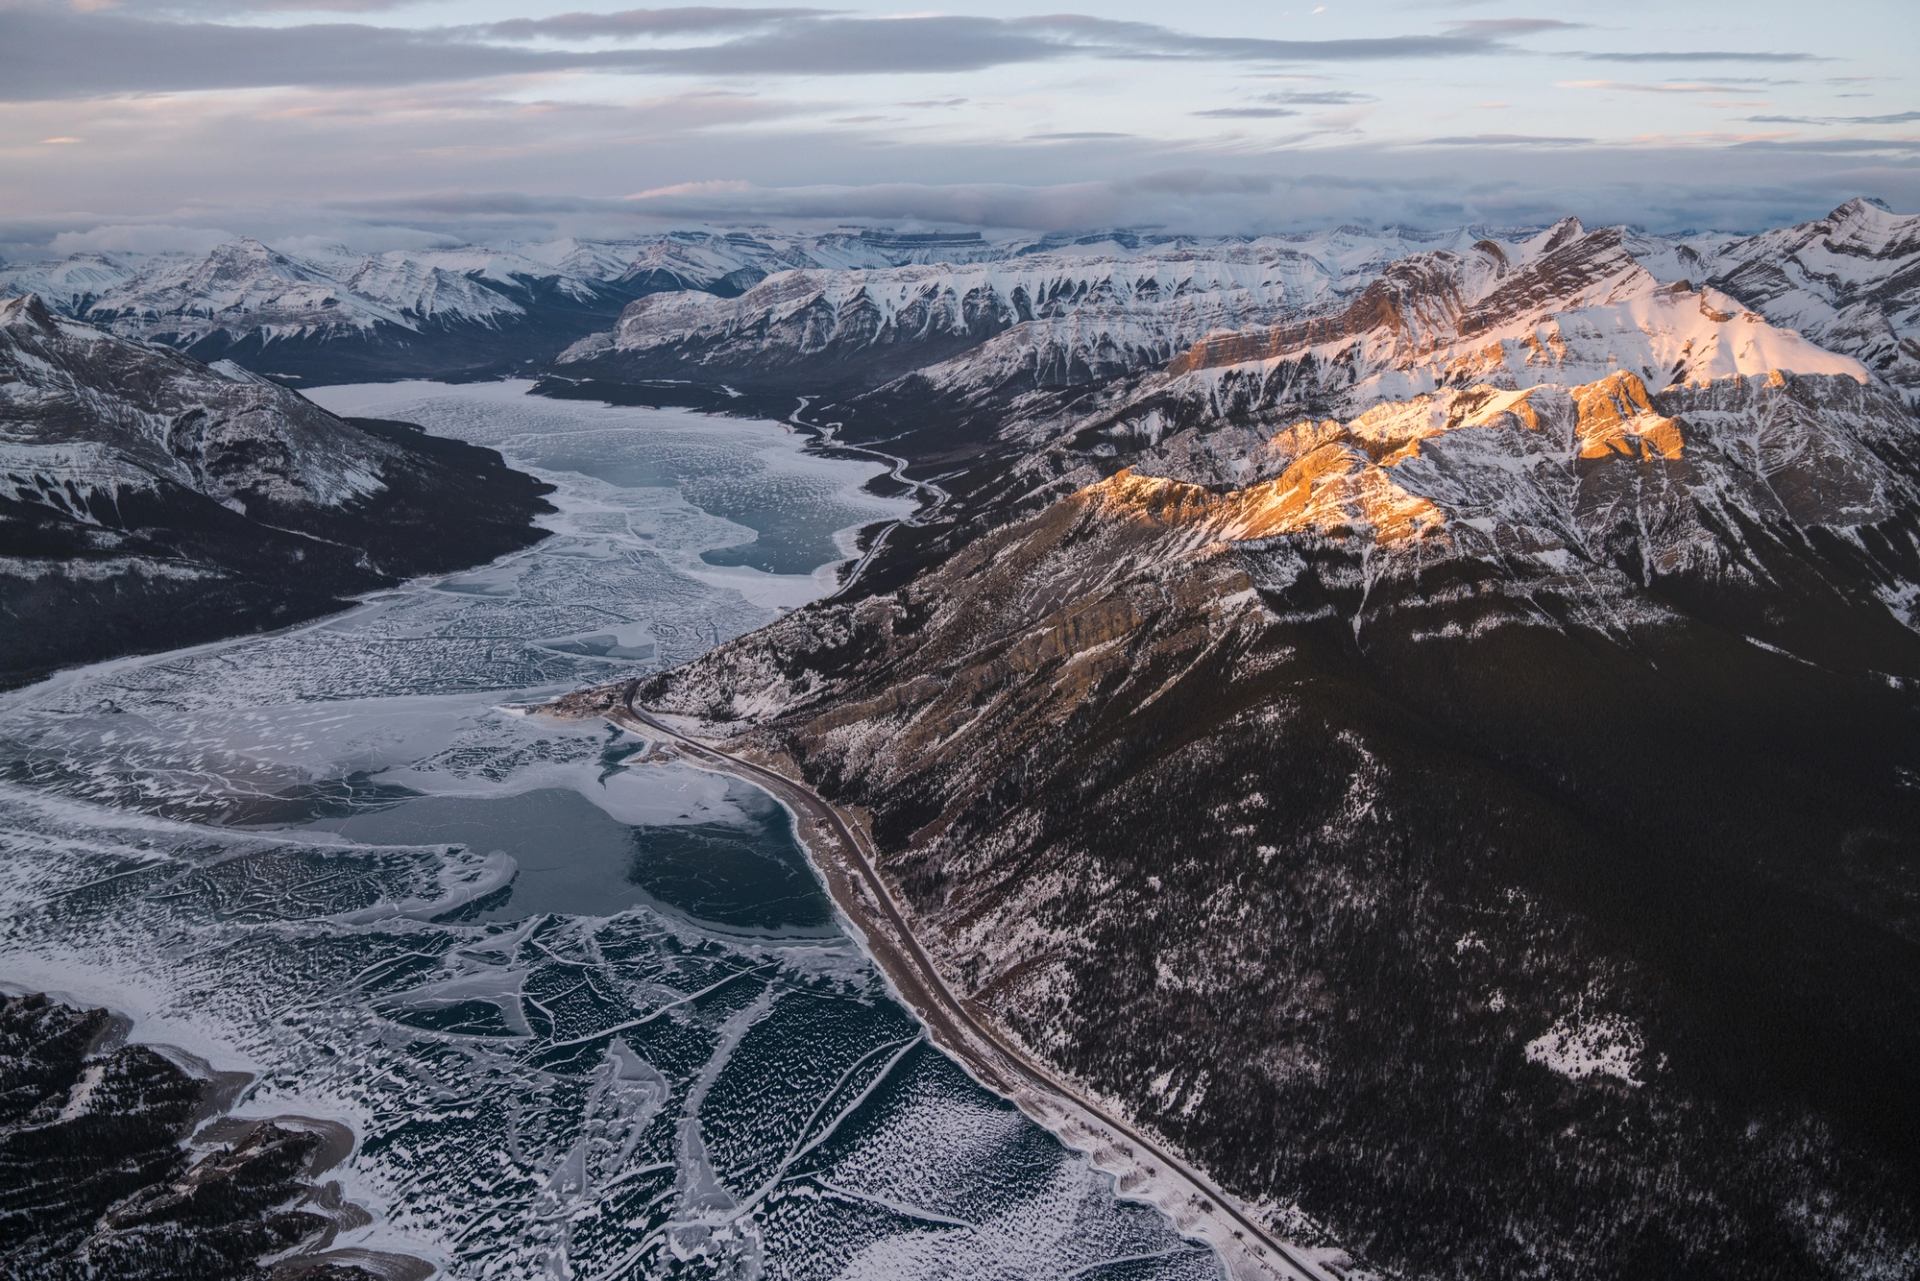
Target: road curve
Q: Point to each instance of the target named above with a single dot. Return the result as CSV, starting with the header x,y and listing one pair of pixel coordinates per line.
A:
x,y
953,1023
932,498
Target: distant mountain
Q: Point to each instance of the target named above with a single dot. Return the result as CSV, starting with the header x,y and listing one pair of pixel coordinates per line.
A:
x,y
147,500
729,263
334,316
70,284
1039,320
1049,313
1849,281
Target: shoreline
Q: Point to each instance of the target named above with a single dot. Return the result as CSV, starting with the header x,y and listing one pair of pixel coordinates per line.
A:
x,y
1143,1169
213,1128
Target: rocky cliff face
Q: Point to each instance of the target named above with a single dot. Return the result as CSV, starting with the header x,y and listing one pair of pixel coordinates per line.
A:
x,y
1445,759
147,500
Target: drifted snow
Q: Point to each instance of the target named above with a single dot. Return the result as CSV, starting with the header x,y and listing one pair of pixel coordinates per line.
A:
x,y
1579,1046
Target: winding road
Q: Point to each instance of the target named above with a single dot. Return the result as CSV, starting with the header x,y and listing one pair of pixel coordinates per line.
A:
x,y
931,496
1246,1248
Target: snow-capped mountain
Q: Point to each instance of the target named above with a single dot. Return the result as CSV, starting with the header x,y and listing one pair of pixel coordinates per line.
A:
x,y
147,499
1567,307
1063,317
145,418
328,312
1450,721
332,313
239,289
70,284
1849,281
729,263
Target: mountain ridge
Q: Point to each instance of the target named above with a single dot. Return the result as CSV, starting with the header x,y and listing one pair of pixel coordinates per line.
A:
x,y
149,501
1412,761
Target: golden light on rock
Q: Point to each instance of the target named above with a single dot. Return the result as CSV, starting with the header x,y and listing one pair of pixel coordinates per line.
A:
x,y
1616,416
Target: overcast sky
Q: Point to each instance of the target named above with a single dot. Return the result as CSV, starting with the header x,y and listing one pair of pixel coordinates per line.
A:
x,y
149,124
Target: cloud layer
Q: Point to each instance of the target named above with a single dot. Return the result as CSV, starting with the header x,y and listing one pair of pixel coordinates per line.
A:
x,y
136,121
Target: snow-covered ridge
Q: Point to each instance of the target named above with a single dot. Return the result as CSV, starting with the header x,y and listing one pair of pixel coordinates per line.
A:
x,y
979,313
1849,281
1371,315
68,284
1568,306
1055,314
815,310
86,416
249,288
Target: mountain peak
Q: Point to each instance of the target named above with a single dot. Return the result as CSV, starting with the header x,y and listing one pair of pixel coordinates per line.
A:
x,y
27,311
245,249
1860,207
1867,226
1564,232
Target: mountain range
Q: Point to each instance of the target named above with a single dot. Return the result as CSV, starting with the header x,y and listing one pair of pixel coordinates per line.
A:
x,y
1440,747
1426,722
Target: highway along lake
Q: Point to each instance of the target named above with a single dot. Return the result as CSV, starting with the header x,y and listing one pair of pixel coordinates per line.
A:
x,y
588,1014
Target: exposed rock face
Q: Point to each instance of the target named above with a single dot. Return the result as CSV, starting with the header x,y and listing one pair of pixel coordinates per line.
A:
x,y
147,500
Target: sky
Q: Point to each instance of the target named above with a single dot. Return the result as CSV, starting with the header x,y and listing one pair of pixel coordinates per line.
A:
x,y
147,125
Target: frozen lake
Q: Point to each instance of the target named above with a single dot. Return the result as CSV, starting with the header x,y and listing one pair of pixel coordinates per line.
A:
x,y
587,1017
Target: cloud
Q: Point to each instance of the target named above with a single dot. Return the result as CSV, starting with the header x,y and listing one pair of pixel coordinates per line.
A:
x,y
1198,182
53,52
1507,140
1896,118
631,23
238,7
1246,113
1285,102
1530,188
140,238
1513,26
1318,97
1078,135
1629,86
973,204
1061,206
1706,55
333,119
1835,146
